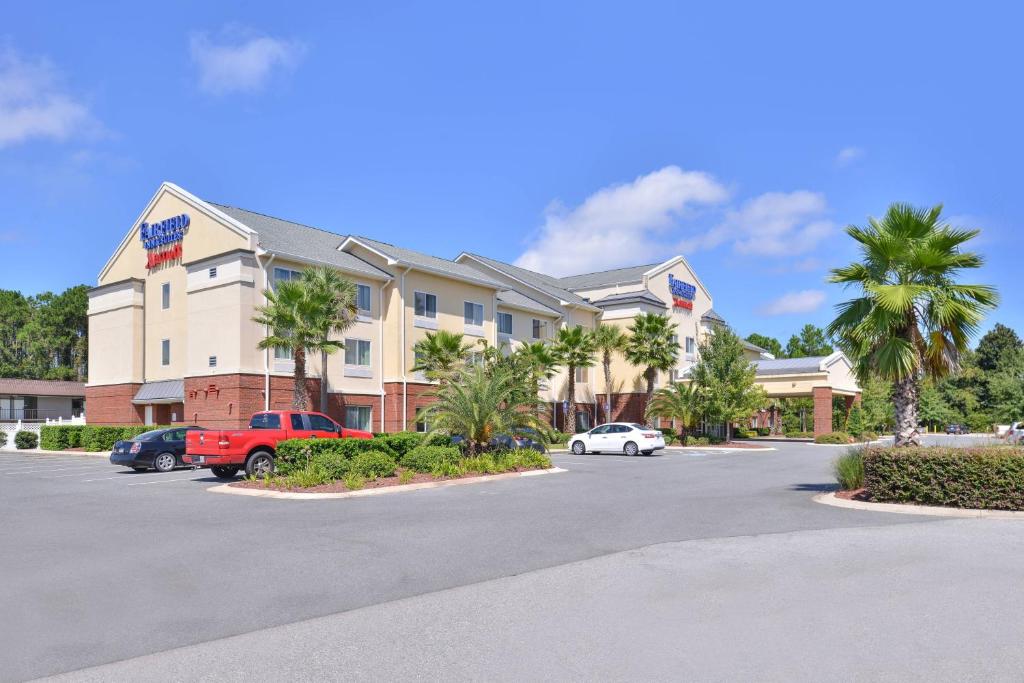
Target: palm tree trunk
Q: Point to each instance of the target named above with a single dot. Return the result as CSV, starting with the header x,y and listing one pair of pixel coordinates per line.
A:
x,y
650,374
323,381
570,411
683,434
904,397
299,390
607,362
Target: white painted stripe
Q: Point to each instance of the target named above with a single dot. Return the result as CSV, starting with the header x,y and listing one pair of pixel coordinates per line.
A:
x,y
166,481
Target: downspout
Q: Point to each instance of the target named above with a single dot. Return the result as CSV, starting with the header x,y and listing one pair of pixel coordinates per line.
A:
x,y
405,380
266,331
380,353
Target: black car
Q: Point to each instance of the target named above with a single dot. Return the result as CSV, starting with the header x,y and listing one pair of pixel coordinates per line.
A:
x,y
160,450
524,438
955,429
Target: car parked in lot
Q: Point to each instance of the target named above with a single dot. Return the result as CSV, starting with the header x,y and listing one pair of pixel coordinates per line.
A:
x,y
161,450
955,429
226,451
618,437
1015,434
525,438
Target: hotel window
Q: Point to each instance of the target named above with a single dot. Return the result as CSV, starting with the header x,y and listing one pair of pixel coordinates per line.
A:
x,y
165,352
537,327
283,353
357,352
691,345
285,275
363,299
504,323
425,305
473,313
213,272
421,421
165,295
582,375
358,417
675,340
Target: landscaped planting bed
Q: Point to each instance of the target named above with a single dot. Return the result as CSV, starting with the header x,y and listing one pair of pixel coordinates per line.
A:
x,y
984,478
336,465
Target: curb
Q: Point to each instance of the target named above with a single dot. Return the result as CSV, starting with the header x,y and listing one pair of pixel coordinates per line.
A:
x,y
908,509
39,451
401,488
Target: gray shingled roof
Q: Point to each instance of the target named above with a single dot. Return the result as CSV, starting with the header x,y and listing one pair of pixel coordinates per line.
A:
x,y
286,238
786,366
167,391
545,283
41,387
752,347
605,278
428,262
519,300
640,297
712,316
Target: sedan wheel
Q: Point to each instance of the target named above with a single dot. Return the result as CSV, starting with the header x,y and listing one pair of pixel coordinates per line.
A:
x,y
578,448
164,462
631,448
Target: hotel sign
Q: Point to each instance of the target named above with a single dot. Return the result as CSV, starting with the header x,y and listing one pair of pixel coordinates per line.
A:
x,y
682,293
162,240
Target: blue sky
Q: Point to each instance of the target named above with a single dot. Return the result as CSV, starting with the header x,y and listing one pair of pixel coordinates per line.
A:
x,y
581,136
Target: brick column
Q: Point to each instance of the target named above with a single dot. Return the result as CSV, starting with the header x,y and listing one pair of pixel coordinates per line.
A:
x,y
822,410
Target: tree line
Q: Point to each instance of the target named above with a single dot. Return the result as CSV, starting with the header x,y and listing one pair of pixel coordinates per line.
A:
x,y
45,336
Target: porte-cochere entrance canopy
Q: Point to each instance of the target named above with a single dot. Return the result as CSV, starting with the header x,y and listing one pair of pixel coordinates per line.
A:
x,y
820,377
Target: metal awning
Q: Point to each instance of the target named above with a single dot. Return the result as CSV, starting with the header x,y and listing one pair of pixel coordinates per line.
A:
x,y
168,391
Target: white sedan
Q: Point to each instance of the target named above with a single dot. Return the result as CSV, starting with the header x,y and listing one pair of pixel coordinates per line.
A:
x,y
618,437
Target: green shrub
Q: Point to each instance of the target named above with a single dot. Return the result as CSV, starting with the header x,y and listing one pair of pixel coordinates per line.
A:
x,y
60,437
529,459
354,481
698,441
849,470
742,433
833,438
868,436
712,439
26,439
3,438
560,438
406,476
309,476
400,443
426,458
103,437
445,468
764,431
373,464
799,435
989,477
335,465
294,454
488,463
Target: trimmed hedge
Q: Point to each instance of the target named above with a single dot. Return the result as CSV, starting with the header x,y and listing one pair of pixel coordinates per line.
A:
x,y
373,464
428,458
60,437
764,431
294,454
25,439
833,438
3,439
102,438
989,478
799,435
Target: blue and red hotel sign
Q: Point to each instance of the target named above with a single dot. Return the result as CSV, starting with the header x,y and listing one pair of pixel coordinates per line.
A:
x,y
682,293
163,240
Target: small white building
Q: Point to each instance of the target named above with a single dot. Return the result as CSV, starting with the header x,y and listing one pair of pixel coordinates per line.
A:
x,y
38,400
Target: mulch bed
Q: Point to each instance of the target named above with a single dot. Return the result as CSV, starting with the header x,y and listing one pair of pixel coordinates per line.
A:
x,y
857,494
339,486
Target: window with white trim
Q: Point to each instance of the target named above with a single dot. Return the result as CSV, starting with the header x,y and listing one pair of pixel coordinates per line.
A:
x,y
285,275
473,313
363,299
358,417
425,305
538,327
165,352
504,323
582,375
421,420
357,352
165,295
283,353
691,345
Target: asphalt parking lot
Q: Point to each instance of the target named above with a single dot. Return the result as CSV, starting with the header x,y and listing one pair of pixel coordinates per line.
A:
x,y
700,564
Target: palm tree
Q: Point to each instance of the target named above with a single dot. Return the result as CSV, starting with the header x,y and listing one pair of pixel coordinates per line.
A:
x,y
913,319
608,339
300,315
440,355
677,402
480,404
574,348
651,345
540,362
334,313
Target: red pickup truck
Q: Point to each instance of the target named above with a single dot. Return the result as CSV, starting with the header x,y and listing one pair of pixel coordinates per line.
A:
x,y
227,451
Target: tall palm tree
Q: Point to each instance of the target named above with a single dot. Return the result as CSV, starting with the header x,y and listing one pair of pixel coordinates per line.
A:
x,y
300,315
481,403
440,355
335,311
651,345
913,318
540,362
679,402
574,348
608,339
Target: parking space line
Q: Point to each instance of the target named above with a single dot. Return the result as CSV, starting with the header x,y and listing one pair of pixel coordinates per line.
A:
x,y
78,474
123,474
46,469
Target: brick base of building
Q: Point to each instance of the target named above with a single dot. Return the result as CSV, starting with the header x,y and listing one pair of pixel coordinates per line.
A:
x,y
228,401
822,410
416,396
626,407
112,405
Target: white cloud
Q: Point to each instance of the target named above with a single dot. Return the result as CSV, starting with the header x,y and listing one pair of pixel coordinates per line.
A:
x,y
804,301
32,104
849,155
771,224
620,224
241,61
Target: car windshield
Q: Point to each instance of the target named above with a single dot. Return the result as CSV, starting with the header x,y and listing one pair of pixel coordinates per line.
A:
x,y
149,436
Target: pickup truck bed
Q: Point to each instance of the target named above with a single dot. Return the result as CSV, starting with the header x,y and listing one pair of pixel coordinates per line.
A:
x,y
226,451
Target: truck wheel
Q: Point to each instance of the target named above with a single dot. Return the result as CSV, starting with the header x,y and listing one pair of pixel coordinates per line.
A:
x,y
259,464
224,472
